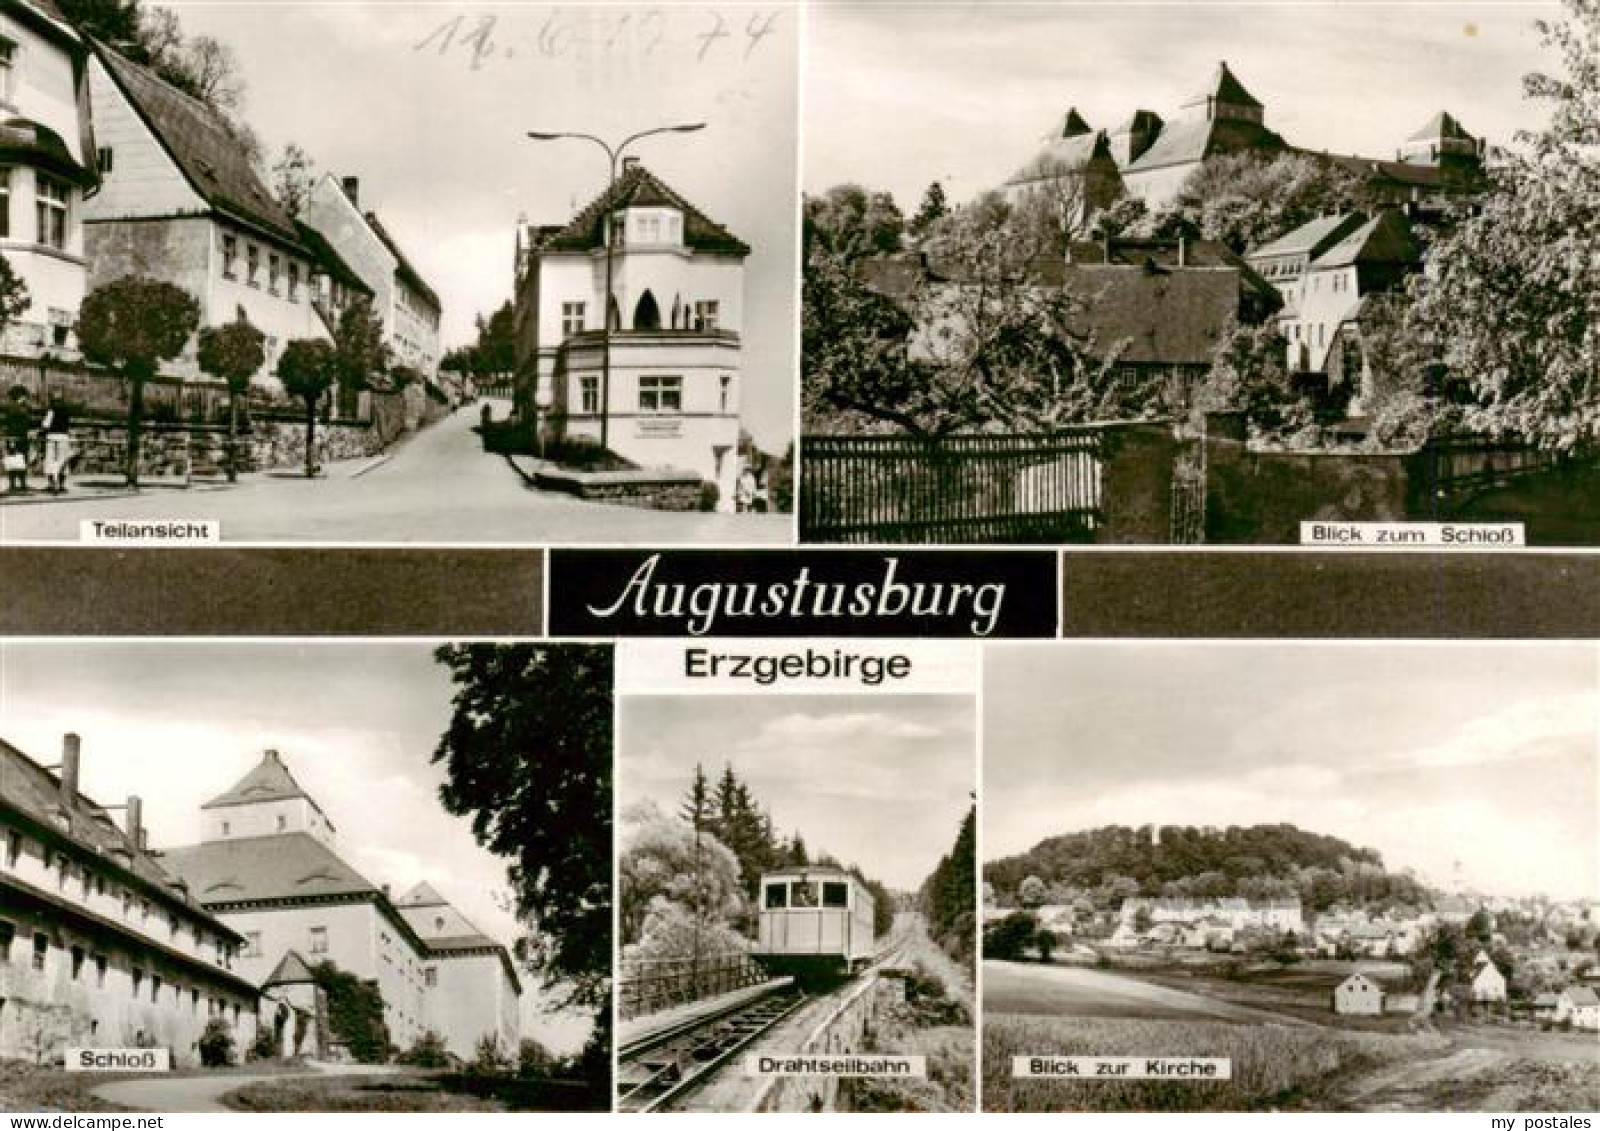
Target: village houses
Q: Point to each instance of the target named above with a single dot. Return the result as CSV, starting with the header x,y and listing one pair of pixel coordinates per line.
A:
x,y
675,316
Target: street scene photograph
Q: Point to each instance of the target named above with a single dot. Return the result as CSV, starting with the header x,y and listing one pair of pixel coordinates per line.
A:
x,y
1317,877
1200,273
796,883
360,273
341,878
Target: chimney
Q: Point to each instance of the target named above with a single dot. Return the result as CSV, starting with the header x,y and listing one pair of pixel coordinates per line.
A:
x,y
352,189
69,770
135,821
629,162
272,756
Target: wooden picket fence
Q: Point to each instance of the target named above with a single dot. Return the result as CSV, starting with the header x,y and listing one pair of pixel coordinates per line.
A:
x,y
977,489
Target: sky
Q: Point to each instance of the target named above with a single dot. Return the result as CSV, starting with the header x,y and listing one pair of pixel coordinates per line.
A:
x,y
878,781
430,104
898,96
177,724
1485,756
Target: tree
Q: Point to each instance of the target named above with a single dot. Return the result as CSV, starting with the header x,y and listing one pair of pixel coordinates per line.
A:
x,y
1511,307
933,206
1250,374
210,71
131,325
233,353
527,757
110,21
294,175
1247,199
216,1044
533,1059
1031,893
308,369
355,1012
1009,937
852,222
496,348
14,297
665,860
359,347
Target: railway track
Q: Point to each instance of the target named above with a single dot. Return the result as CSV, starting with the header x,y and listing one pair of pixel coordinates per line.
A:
x,y
655,1072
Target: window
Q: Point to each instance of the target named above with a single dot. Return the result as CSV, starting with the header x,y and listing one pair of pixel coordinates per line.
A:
x,y
13,849
804,894
835,894
661,394
51,197
282,823
5,203
252,943
8,932
294,282
649,229
8,68
106,158
252,265
230,270
589,394
77,963
571,319
777,896
41,949
155,988
727,384
705,314
319,940
430,976
100,971
274,267
225,827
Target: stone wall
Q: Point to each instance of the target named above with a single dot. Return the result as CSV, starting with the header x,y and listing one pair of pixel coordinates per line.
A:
x,y
1136,483
654,490
177,451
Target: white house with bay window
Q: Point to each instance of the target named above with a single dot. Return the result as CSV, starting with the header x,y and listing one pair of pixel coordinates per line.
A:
x,y
46,165
676,310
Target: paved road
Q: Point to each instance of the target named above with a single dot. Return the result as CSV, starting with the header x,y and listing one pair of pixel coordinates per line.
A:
x,y
204,1093
439,486
1079,991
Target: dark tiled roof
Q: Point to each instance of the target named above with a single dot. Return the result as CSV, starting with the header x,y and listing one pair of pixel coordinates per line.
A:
x,y
47,16
1399,172
638,185
268,780
1140,120
1386,239
26,142
1312,237
290,970
1160,316
35,792
461,942
287,866
403,268
1224,87
210,157
329,260
1189,141
1165,253
423,895
1070,124
1441,125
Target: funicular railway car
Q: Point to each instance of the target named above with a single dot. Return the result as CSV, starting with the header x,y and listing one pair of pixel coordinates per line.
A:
x,y
814,922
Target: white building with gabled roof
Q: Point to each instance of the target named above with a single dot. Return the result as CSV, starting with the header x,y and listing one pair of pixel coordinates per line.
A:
x,y
269,866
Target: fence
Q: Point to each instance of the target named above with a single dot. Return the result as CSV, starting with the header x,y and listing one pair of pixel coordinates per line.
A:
x,y
952,489
649,985
1460,467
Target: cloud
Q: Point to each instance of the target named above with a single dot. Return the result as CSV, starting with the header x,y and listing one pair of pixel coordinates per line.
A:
x,y
801,727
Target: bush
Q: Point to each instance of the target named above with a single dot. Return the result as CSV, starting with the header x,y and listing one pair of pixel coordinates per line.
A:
x,y
1009,937
216,1044
488,1058
709,496
355,1013
265,1046
427,1052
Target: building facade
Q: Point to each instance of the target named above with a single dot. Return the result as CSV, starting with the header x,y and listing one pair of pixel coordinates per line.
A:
x,y
46,167
403,300
180,202
101,945
676,312
268,864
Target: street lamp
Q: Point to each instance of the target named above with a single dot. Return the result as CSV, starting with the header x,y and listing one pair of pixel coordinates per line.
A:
x,y
613,154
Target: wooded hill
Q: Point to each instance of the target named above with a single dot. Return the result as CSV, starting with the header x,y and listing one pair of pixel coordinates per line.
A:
x,y
1116,862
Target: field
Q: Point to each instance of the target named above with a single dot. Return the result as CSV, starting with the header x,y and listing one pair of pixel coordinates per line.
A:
x,y
1302,991
355,1093
1275,1067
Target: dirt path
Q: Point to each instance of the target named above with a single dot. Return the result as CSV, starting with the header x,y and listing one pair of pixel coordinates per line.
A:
x,y
1400,1086
204,1093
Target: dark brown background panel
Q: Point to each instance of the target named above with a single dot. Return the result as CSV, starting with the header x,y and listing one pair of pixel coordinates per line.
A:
x,y
1330,594
46,591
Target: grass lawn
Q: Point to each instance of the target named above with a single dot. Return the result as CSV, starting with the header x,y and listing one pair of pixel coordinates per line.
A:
x,y
30,1087
403,1092
1274,1068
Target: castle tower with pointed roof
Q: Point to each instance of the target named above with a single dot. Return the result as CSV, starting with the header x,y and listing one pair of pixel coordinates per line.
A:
x,y
267,801
1224,98
1442,142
